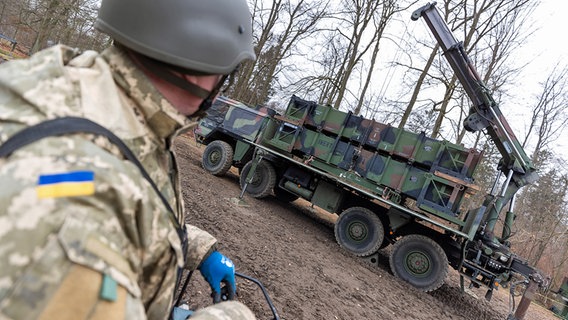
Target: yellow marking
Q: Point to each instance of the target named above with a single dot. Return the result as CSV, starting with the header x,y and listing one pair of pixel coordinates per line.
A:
x,y
66,189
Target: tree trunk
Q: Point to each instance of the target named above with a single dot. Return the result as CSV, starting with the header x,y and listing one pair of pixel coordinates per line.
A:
x,y
418,87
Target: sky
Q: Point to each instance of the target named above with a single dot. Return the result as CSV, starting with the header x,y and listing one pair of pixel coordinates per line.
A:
x,y
549,44
541,52
545,48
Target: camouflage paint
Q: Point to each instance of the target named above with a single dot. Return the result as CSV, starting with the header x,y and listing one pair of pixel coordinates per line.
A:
x,y
298,109
370,135
381,156
232,117
370,154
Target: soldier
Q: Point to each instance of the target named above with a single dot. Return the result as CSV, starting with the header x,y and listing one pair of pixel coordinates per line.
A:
x,y
82,233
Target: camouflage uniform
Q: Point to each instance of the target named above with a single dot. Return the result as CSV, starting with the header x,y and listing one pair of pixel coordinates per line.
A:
x,y
102,246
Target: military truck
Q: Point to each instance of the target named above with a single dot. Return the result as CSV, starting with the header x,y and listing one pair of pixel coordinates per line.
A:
x,y
560,305
387,185
227,130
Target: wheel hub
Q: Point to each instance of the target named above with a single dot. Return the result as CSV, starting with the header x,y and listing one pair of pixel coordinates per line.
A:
x,y
214,157
256,179
417,263
357,231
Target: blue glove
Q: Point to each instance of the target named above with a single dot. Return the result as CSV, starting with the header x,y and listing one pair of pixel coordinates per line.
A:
x,y
217,269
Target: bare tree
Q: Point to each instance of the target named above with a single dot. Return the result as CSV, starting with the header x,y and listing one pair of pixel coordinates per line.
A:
x,y
264,21
38,24
492,30
280,28
388,10
316,86
542,207
357,17
541,215
560,253
548,118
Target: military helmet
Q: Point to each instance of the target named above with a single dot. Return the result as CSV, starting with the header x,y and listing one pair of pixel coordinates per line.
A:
x,y
207,36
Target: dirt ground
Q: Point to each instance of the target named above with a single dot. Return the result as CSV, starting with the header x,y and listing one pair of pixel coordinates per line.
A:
x,y
291,249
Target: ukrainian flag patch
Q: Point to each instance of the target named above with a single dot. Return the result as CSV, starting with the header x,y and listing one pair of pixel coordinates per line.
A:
x,y
68,184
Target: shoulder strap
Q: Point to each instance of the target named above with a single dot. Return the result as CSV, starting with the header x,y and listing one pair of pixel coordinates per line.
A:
x,y
70,125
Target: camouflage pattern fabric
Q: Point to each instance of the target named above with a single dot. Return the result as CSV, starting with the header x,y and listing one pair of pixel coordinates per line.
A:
x,y
228,310
81,231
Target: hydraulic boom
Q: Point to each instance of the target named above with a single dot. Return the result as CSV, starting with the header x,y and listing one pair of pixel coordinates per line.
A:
x,y
516,166
484,114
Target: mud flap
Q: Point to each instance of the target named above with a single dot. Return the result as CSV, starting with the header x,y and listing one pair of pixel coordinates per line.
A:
x,y
372,259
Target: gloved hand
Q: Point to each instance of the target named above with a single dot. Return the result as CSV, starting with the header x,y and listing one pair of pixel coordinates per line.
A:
x,y
217,269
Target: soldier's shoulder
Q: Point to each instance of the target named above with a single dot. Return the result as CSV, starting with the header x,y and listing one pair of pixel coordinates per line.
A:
x,y
69,152
56,56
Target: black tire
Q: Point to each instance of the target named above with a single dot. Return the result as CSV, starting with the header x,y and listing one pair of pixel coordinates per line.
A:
x,y
359,231
419,261
284,195
217,158
263,181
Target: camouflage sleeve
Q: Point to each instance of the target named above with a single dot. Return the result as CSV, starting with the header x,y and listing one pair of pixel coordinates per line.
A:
x,y
200,245
229,310
96,211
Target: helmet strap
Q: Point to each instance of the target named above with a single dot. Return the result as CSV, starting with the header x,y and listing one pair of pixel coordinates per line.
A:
x,y
161,70
208,101
164,71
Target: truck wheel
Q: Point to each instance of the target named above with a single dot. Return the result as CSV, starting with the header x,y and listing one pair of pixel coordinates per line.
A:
x,y
359,231
419,261
217,158
284,195
263,181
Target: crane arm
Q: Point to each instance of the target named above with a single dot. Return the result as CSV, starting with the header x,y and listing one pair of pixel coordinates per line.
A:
x,y
485,112
484,115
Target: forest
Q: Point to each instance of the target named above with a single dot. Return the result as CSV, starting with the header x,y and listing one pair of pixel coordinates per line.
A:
x,y
369,58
